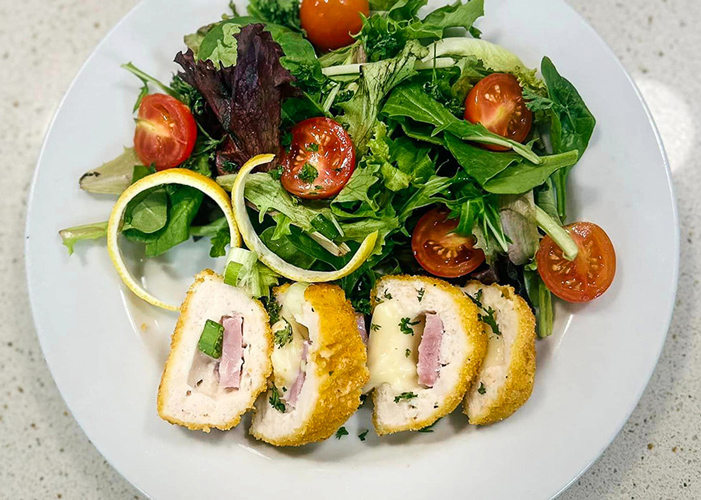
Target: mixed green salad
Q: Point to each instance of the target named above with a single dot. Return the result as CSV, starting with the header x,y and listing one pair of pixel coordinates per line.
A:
x,y
382,120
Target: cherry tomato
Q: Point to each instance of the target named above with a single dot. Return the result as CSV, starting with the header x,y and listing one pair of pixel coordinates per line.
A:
x,y
320,161
586,277
442,252
497,103
165,132
330,23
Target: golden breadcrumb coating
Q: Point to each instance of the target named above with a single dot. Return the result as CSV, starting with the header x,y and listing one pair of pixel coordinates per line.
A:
x,y
476,337
266,369
521,372
340,366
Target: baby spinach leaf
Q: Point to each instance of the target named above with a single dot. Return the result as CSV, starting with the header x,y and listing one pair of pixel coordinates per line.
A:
x,y
184,202
147,212
524,176
479,163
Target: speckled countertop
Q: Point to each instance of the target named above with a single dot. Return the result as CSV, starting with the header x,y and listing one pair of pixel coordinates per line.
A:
x,y
43,452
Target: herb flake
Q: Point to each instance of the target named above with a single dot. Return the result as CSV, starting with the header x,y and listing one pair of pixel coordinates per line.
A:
x,y
482,389
404,395
275,400
363,434
405,326
341,432
308,173
283,336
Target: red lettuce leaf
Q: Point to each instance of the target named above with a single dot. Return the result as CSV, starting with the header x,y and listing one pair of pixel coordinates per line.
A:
x,y
246,98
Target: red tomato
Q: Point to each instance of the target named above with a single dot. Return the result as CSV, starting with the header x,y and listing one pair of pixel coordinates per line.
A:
x,y
587,276
330,23
165,132
320,161
497,103
442,252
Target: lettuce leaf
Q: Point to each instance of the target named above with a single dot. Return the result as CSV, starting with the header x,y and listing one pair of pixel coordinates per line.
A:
x,y
246,98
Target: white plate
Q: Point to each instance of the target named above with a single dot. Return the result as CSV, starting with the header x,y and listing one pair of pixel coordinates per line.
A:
x,y
106,349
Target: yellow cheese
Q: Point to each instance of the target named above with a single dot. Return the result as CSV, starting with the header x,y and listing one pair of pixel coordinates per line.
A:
x,y
392,355
287,360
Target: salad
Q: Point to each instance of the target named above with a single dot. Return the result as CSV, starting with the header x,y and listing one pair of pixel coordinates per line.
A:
x,y
384,142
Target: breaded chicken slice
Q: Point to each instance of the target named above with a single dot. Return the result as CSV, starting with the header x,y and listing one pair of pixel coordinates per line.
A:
x,y
319,367
194,391
425,348
505,381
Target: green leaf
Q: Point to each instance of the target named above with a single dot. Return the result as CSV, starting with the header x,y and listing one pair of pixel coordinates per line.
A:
x,y
413,159
282,12
112,177
219,45
517,213
393,178
423,196
411,101
184,202
72,235
458,14
243,270
523,177
268,194
147,212
479,163
285,249
358,186
219,243
572,124
378,79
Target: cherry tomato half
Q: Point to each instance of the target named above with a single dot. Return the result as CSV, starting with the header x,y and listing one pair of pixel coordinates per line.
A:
x,y
330,23
442,252
497,103
320,161
586,277
165,132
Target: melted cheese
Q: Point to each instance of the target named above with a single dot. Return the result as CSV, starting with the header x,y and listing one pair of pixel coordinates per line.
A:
x,y
287,360
495,351
387,350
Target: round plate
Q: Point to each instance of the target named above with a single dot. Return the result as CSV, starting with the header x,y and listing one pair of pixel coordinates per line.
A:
x,y
106,349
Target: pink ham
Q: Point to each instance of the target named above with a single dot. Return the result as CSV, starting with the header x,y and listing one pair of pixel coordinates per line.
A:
x,y
293,394
231,360
429,350
360,320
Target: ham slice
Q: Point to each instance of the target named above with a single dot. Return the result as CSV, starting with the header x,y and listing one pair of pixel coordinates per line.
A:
x,y
232,352
293,394
429,350
360,320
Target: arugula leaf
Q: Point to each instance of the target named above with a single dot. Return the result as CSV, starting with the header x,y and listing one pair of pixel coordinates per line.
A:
x,y
72,235
424,195
411,101
479,163
218,232
524,176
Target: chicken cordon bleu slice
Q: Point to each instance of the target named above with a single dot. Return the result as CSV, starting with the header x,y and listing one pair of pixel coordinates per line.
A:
x,y
319,367
505,381
219,359
425,349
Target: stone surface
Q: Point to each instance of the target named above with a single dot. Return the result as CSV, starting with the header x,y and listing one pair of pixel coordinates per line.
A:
x,y
43,452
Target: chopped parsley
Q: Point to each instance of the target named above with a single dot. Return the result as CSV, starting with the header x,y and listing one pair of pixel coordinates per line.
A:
x,y
482,389
405,326
489,317
404,395
341,432
276,173
308,173
283,336
421,293
407,353
275,400
385,296
362,435
374,327
362,305
429,428
313,146
273,308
